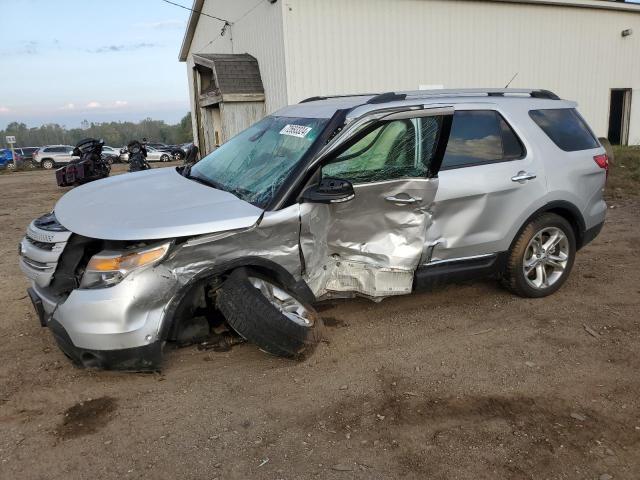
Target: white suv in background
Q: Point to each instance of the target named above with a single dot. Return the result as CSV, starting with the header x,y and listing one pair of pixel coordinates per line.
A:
x,y
53,155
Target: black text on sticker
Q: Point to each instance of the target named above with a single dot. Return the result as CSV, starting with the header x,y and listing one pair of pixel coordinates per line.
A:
x,y
295,130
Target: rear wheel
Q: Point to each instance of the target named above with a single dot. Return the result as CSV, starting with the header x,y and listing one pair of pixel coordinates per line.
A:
x,y
165,158
268,315
47,164
542,257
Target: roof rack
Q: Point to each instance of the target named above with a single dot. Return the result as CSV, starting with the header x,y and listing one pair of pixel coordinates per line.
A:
x,y
458,92
326,97
490,92
387,97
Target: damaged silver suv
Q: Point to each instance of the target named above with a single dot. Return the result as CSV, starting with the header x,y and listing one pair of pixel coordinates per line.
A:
x,y
370,195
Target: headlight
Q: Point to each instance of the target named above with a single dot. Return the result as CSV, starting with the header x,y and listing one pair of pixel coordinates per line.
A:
x,y
109,268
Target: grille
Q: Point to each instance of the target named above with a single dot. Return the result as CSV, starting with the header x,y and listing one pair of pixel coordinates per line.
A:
x,y
41,245
37,265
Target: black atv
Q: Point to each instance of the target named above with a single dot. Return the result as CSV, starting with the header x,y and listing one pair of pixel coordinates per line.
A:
x,y
88,167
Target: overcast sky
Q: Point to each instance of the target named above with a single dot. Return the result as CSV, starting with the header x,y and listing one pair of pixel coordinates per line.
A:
x,y
64,61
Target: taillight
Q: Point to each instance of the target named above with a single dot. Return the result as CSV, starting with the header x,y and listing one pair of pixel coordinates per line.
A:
x,y
603,162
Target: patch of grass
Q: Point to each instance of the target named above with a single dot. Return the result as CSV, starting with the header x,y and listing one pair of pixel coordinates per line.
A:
x,y
624,173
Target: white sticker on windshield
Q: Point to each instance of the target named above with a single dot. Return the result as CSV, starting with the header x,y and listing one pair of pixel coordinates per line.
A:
x,y
295,130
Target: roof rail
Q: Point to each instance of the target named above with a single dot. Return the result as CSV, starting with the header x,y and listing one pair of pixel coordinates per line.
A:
x,y
398,96
387,97
490,92
325,97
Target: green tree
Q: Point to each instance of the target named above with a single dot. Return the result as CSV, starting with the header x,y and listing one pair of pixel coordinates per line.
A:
x,y
113,133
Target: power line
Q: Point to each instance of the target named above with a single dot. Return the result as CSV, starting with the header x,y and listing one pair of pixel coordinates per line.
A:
x,y
229,24
199,12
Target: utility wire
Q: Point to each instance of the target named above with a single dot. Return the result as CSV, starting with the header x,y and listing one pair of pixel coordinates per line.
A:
x,y
231,23
227,24
199,12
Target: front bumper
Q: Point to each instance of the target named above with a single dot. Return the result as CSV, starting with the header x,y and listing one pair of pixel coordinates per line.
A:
x,y
138,359
114,328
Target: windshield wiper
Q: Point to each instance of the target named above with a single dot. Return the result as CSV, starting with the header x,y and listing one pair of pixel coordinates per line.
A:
x,y
204,181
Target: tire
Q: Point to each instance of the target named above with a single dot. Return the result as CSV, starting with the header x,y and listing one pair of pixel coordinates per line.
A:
x,y
47,164
165,158
178,156
255,318
11,166
530,252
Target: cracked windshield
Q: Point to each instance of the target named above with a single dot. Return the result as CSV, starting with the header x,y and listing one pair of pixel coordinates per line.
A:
x,y
255,163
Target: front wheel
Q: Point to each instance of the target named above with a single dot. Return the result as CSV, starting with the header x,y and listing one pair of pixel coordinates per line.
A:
x,y
268,315
541,258
165,158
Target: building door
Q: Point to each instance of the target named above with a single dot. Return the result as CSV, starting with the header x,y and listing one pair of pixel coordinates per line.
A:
x,y
619,116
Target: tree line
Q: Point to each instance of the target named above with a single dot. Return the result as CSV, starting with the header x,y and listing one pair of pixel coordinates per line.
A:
x,y
116,134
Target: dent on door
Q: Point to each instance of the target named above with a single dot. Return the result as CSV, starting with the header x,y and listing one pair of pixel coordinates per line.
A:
x,y
372,244
356,248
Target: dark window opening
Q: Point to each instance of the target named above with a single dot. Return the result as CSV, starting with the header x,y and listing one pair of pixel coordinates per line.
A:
x,y
566,128
619,114
479,137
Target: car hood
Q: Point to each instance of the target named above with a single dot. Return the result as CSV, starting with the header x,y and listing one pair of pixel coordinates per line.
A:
x,y
152,204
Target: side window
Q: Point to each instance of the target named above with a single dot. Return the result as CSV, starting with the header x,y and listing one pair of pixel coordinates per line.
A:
x,y
480,136
396,149
566,128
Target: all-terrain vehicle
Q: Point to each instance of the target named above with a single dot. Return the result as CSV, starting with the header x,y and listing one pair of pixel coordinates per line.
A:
x,y
86,166
369,195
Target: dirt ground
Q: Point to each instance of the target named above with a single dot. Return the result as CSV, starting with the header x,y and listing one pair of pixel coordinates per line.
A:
x,y
467,382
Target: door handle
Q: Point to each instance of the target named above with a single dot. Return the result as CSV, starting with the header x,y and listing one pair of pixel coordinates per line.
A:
x,y
403,200
523,176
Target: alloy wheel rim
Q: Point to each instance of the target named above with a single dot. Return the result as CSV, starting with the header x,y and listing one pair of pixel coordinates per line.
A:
x,y
545,258
285,303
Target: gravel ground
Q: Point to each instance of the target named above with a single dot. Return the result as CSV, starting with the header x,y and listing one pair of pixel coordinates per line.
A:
x,y
466,382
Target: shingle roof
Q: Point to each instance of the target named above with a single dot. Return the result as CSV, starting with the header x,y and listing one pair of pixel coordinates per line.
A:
x,y
232,73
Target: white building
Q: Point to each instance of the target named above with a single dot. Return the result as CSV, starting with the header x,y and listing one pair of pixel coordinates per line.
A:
x,y
278,52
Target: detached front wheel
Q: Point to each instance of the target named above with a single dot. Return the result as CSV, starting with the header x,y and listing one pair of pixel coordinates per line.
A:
x,y
541,259
268,315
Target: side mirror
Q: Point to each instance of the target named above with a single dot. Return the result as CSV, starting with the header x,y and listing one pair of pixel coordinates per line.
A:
x,y
329,190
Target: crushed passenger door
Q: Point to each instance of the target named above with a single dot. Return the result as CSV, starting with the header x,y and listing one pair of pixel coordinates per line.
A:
x,y
372,244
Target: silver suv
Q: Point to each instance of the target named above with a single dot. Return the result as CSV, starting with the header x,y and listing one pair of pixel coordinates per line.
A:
x,y
365,195
53,155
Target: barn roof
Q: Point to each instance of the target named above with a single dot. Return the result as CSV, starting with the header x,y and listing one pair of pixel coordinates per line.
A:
x,y
233,73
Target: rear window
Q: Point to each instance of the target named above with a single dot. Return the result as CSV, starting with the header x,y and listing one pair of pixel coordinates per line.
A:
x,y
566,128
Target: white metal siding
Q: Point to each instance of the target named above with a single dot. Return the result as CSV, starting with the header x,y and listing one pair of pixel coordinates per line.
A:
x,y
346,46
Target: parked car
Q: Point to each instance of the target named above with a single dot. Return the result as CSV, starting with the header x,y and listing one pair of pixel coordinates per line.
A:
x,y
26,152
176,152
110,154
53,155
154,155
6,158
372,196
124,155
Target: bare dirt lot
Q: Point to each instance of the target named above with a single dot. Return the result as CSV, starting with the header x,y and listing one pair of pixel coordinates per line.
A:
x,y
467,382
